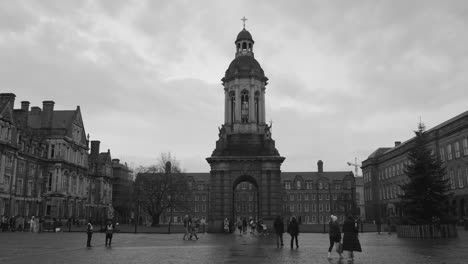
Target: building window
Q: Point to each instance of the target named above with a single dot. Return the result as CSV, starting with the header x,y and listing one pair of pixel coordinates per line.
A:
x,y
442,154
309,185
291,208
314,219
320,196
298,184
335,196
299,208
465,146
457,150
306,208
320,185
30,186
327,197
460,178
196,198
306,197
291,197
337,186
452,179
203,197
287,185
449,152
200,187
299,196
314,208
327,207
320,207
321,219
203,207
19,188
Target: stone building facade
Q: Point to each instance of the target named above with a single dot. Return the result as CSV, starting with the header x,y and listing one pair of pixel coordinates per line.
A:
x,y
45,164
384,169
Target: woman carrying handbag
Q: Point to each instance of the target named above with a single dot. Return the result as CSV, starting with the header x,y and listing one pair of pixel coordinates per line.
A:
x,y
335,236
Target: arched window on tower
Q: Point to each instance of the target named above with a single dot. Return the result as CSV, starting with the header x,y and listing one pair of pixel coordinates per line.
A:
x,y
245,106
257,107
244,45
250,46
238,46
232,96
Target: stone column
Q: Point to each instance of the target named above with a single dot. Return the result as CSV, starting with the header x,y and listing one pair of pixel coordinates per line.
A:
x,y
252,105
226,107
262,106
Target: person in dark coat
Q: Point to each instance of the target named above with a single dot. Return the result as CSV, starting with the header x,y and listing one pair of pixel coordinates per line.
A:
x,y
293,230
89,232
109,233
279,230
350,237
334,235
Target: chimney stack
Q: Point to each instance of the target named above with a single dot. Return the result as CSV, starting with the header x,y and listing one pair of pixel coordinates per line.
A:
x,y
47,114
320,166
25,106
397,143
7,98
35,110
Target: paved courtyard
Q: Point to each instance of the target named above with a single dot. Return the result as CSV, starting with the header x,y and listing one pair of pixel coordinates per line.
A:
x,y
218,248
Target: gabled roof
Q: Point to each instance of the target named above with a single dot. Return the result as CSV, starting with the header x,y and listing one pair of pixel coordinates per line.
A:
x,y
6,111
104,157
198,176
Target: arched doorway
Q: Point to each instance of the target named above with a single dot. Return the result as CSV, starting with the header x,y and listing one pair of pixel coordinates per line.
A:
x,y
245,199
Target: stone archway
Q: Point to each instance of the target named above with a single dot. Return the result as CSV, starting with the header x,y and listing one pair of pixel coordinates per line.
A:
x,y
251,201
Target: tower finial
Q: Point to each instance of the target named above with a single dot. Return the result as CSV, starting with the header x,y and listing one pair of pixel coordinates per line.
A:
x,y
243,20
421,125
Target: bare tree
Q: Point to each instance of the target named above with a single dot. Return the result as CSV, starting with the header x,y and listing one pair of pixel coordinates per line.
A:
x,y
161,187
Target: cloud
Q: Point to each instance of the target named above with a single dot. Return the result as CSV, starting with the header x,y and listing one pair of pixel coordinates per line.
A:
x,y
345,77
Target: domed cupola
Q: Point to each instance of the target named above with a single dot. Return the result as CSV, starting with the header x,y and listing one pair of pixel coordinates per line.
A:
x,y
244,64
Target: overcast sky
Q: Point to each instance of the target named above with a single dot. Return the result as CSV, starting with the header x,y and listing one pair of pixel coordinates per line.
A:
x,y
346,77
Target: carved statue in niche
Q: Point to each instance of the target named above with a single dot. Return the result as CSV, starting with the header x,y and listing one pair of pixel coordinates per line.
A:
x,y
245,112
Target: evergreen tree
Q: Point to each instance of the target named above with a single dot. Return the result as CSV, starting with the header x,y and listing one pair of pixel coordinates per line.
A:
x,y
427,192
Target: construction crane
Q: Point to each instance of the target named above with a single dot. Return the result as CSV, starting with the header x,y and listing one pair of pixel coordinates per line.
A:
x,y
356,166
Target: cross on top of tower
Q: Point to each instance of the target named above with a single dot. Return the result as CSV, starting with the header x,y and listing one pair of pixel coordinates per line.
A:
x,y
243,20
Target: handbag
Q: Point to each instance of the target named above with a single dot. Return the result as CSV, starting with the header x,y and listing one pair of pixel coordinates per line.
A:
x,y
339,248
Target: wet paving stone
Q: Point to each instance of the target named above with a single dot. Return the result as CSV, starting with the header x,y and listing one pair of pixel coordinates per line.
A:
x,y
221,248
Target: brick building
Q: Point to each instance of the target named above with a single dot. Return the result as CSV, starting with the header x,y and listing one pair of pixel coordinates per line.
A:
x,y
384,169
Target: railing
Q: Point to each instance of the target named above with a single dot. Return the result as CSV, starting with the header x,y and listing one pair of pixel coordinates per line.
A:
x,y
427,231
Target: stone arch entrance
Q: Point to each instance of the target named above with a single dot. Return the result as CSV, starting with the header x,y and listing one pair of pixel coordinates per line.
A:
x,y
245,198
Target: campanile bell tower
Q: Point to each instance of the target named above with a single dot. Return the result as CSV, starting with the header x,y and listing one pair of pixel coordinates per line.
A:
x,y
245,151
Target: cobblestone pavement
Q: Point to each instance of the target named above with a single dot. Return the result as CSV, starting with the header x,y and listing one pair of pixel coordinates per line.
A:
x,y
219,248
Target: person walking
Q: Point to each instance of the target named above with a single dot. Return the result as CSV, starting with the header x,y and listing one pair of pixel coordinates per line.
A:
x,y
293,230
278,225
89,231
186,226
239,225
109,233
244,225
350,237
334,235
193,228
226,225
32,225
